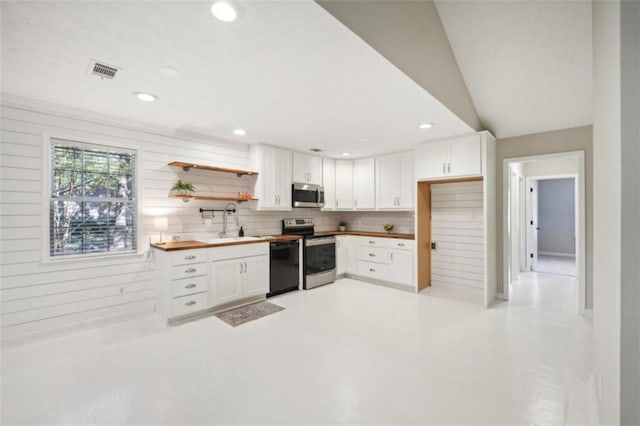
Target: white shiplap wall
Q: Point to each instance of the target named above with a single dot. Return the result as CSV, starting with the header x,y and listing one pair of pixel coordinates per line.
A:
x,y
458,230
42,299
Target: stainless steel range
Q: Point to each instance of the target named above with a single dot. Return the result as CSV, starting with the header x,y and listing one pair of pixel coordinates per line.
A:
x,y
319,252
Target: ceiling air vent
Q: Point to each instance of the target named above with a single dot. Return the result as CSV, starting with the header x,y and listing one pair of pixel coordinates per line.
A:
x,y
102,70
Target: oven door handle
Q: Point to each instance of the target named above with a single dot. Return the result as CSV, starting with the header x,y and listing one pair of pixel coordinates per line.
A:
x,y
319,241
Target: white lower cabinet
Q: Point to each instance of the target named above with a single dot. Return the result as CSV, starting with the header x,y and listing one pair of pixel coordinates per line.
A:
x,y
192,281
383,259
342,245
239,272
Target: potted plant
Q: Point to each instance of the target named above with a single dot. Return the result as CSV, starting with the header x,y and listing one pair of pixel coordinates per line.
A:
x,y
342,226
183,189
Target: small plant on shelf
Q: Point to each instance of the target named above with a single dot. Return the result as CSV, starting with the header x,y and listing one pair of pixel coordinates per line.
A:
x,y
388,227
342,226
183,189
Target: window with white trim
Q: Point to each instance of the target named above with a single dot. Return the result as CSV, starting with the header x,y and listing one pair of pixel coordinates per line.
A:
x,y
93,195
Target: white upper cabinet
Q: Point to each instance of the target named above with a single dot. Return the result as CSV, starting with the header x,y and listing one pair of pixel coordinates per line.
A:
x,y
395,182
273,183
307,169
364,183
344,185
329,183
449,158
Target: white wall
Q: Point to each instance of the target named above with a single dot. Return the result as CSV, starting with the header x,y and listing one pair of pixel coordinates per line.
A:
x,y
606,207
556,216
43,299
630,150
551,167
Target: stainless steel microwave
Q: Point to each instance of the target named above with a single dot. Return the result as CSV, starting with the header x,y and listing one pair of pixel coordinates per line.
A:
x,y
307,195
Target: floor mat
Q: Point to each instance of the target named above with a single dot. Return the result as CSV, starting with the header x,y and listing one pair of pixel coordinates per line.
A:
x,y
244,314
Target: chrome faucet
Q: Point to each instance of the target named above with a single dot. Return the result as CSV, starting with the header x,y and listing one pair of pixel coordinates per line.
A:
x,y
228,209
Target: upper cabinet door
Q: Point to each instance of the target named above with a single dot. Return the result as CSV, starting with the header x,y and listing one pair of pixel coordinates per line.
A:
x,y
449,158
344,185
406,188
387,182
466,156
273,183
364,184
432,159
307,169
329,183
394,181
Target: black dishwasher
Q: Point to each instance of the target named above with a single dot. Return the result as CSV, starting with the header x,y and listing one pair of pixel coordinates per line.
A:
x,y
285,267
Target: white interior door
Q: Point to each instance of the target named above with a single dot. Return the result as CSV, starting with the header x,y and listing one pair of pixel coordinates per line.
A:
x,y
532,217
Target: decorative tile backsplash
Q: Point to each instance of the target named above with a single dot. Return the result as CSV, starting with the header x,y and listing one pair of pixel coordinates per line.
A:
x,y
372,221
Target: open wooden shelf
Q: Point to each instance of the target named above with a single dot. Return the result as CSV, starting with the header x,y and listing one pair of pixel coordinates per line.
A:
x,y
188,166
210,198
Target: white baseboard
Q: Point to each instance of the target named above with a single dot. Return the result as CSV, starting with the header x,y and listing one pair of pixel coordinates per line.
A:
x,y
551,253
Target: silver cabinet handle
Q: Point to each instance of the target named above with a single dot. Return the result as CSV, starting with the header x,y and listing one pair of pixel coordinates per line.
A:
x,y
246,267
443,168
372,255
190,303
355,203
337,202
400,244
240,267
192,285
371,270
391,256
449,167
191,257
190,270
371,242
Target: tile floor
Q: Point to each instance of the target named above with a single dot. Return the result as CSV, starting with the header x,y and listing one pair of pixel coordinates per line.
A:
x,y
350,352
562,265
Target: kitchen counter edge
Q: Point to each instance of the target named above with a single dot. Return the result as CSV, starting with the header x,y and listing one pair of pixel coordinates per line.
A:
x,y
193,244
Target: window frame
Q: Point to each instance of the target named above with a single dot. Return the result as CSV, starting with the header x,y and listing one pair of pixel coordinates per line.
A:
x,y
90,142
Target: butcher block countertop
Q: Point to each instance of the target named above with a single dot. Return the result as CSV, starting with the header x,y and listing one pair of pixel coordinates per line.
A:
x,y
193,244
376,234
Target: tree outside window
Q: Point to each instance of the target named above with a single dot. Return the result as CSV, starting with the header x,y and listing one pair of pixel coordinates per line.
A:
x,y
93,199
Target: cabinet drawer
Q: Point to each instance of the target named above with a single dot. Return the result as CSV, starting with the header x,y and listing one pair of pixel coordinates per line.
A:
x,y
372,254
401,244
372,270
186,257
188,304
188,286
188,271
373,241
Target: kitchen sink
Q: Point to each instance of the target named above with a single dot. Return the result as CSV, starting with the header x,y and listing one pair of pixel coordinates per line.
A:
x,y
230,240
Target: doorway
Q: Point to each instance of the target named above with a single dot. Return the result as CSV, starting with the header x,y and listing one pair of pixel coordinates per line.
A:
x,y
545,227
551,222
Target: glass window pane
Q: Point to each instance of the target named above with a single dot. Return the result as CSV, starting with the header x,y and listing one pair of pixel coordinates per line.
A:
x,y
78,226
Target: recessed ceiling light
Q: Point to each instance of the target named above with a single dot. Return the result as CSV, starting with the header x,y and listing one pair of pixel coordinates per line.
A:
x,y
239,132
225,10
426,125
345,154
147,97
